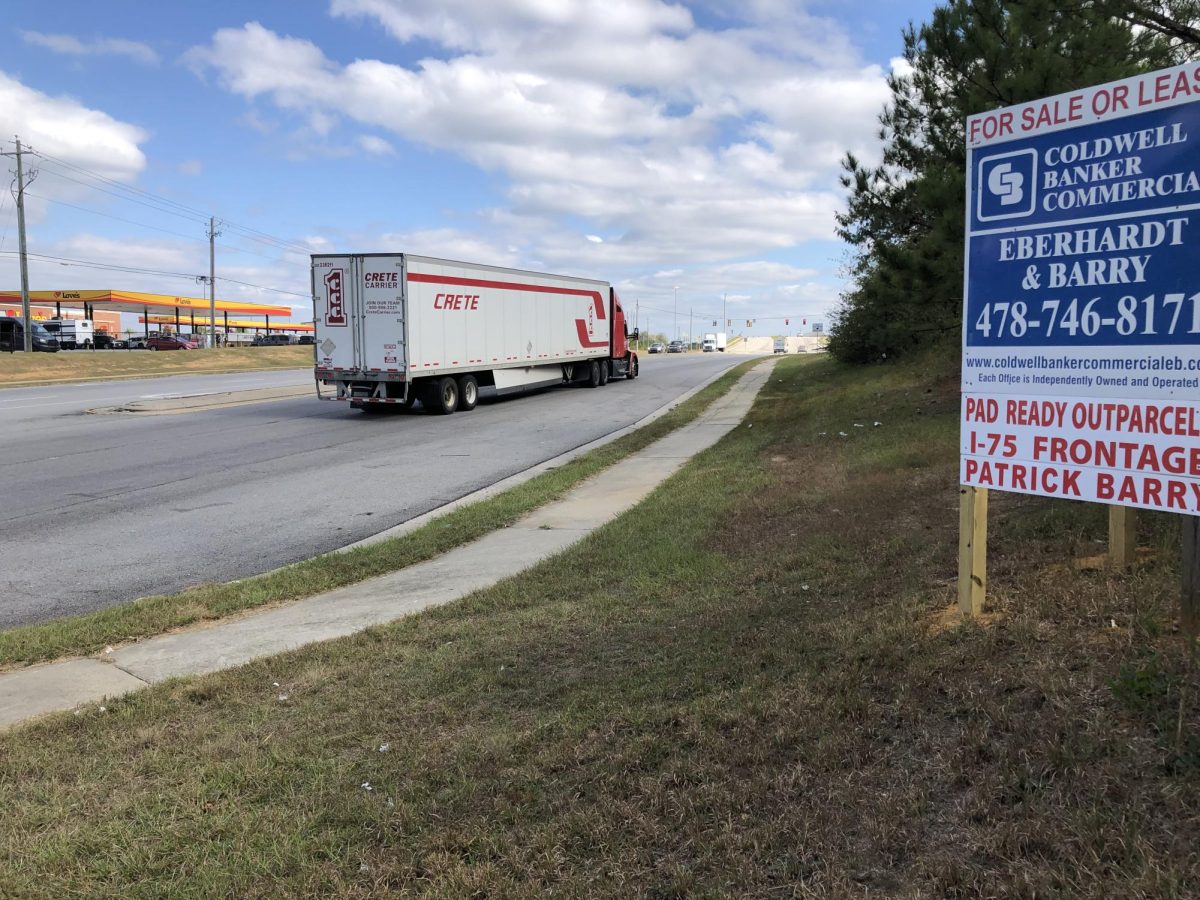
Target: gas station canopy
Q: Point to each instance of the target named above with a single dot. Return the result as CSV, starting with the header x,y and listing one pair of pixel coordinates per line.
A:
x,y
202,322
136,302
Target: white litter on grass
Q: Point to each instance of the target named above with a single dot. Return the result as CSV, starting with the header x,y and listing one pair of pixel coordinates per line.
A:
x,y
274,684
104,709
843,434
804,587
822,433
366,786
877,424
283,698
856,425
384,748
751,425
108,649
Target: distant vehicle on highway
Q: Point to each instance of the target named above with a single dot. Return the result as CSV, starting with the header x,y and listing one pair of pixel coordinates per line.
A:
x,y
169,342
12,336
658,347
676,347
780,345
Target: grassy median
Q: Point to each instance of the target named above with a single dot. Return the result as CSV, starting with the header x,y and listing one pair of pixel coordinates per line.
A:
x,y
91,633
751,685
24,369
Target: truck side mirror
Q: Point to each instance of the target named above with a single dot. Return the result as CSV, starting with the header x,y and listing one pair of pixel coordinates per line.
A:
x,y
634,336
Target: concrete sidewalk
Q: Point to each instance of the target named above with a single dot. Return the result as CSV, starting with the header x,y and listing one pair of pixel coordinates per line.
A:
x,y
64,685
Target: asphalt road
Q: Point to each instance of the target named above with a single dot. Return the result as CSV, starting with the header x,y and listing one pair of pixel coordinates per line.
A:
x,y
99,510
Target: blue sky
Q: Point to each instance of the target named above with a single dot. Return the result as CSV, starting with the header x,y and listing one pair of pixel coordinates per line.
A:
x,y
674,149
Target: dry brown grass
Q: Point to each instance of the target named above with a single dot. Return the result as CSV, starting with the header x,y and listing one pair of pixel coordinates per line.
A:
x,y
735,691
20,369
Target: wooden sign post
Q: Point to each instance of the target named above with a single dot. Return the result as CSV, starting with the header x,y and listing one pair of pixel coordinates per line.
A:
x,y
1189,596
1122,537
972,549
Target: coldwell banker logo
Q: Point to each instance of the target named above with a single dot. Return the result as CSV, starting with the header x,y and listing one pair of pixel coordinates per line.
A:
x,y
1006,186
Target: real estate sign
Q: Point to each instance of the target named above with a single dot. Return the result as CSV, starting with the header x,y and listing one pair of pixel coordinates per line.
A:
x,y
1081,316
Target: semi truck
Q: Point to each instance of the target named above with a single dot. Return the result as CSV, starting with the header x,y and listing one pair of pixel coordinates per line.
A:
x,y
72,334
394,328
714,341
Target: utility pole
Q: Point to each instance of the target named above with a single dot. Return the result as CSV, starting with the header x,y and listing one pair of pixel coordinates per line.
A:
x,y
691,333
212,282
724,319
26,317
676,289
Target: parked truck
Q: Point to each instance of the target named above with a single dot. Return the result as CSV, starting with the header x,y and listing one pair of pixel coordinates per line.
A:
x,y
393,328
714,341
72,334
12,336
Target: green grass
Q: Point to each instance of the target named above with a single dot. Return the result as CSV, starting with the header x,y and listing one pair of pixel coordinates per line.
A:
x,y
22,369
746,687
148,616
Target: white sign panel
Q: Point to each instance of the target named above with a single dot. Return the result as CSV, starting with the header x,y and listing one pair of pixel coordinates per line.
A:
x,y
1081,314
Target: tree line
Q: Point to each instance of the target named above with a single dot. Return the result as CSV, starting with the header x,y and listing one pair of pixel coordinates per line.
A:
x,y
904,217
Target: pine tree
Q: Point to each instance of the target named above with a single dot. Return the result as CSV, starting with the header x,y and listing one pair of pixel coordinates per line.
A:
x,y
904,217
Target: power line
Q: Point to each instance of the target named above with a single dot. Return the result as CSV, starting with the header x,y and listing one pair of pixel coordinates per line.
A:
x,y
96,212
163,204
92,264
131,189
96,187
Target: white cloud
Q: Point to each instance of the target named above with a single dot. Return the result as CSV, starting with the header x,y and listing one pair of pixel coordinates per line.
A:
x,y
72,46
66,129
679,144
376,145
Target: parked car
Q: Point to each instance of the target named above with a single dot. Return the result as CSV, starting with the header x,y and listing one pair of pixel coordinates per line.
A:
x,y
105,341
657,347
272,340
676,347
169,342
306,339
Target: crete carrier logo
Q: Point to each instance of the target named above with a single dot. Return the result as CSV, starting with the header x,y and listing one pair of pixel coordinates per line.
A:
x,y
336,312
1007,183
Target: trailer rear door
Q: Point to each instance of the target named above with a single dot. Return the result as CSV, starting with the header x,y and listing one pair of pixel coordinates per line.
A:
x,y
336,319
383,313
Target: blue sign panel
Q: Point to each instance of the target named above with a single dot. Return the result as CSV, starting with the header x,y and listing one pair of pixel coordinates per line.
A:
x,y
1081,308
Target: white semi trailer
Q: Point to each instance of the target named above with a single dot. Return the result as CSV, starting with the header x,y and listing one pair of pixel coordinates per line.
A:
x,y
393,328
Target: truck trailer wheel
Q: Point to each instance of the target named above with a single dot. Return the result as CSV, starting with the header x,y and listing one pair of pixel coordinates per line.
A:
x,y
594,374
468,392
445,396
